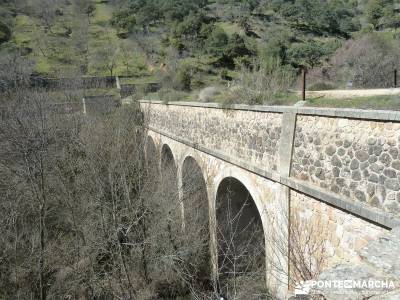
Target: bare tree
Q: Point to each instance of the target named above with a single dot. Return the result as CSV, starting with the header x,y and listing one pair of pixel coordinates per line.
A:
x,y
106,59
296,244
47,12
32,137
126,57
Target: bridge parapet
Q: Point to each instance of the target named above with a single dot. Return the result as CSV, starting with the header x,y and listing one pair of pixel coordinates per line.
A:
x,y
354,158
248,135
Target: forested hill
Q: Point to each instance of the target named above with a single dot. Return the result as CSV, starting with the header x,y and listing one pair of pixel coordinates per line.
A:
x,y
192,44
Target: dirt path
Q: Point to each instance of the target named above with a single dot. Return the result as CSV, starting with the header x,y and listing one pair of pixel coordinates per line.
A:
x,y
340,94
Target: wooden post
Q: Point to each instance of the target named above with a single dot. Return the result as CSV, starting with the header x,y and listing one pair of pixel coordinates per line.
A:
x,y
303,85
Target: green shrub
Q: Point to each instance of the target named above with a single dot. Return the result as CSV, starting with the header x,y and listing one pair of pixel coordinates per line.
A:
x,y
216,42
183,79
224,74
5,33
124,20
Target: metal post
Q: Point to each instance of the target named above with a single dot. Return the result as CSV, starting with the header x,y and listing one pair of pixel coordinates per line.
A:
x,y
395,77
84,105
303,86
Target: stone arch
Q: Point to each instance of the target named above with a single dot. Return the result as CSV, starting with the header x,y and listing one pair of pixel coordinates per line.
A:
x,y
169,190
196,218
169,177
240,237
194,188
152,158
167,157
250,183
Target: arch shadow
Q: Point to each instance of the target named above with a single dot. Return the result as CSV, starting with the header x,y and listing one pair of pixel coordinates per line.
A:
x,y
196,220
240,240
152,158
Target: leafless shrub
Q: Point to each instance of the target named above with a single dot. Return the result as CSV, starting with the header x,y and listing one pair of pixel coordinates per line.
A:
x,y
208,94
241,245
297,244
368,61
260,84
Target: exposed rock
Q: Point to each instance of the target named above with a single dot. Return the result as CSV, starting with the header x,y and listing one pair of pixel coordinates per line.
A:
x,y
370,189
396,164
374,201
379,262
364,165
392,184
389,173
356,175
362,155
347,143
383,253
336,161
335,171
339,143
320,174
346,192
372,159
385,159
391,142
317,141
330,150
340,182
373,178
371,141
354,164
377,150
335,189
360,195
376,168
341,151
394,153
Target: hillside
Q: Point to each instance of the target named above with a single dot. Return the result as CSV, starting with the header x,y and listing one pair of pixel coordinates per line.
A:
x,y
69,37
190,45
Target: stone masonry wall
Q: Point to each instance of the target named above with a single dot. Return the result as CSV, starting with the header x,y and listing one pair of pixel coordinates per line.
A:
x,y
352,155
344,179
247,135
343,234
357,159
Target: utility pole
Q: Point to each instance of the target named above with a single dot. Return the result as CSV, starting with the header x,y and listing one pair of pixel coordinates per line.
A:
x,y
303,85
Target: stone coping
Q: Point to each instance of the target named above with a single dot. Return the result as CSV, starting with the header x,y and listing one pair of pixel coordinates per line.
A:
x,y
367,213
379,115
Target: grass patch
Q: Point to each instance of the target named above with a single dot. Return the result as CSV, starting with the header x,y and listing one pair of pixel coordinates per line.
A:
x,y
102,14
231,28
43,65
374,103
23,31
138,80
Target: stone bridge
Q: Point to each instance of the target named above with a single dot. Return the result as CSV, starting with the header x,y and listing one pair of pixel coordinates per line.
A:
x,y
335,169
